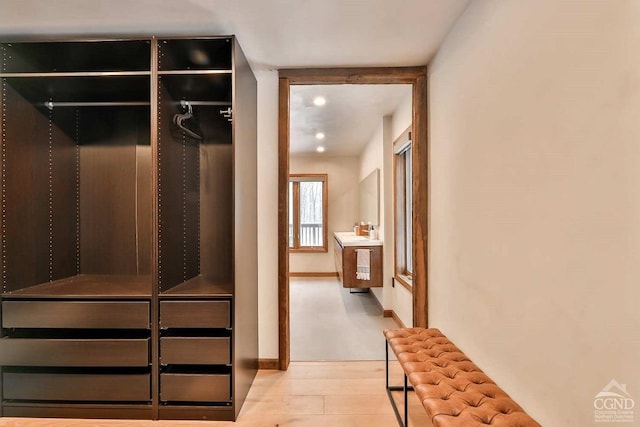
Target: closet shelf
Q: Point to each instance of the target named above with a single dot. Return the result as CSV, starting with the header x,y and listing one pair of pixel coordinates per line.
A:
x,y
193,72
88,286
199,287
77,74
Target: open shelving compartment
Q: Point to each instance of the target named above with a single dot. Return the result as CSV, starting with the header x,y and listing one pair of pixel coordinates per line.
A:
x,y
195,228
195,169
76,231
76,171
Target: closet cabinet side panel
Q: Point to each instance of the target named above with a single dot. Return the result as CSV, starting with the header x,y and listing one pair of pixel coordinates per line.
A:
x,y
2,162
216,211
65,198
190,209
108,192
178,198
170,243
29,198
143,202
246,227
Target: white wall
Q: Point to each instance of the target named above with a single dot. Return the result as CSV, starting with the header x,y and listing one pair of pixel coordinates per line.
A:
x,y
268,214
371,158
400,120
402,116
535,199
378,153
342,202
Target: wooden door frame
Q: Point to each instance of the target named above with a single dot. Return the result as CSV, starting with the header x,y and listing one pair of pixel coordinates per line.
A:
x,y
417,77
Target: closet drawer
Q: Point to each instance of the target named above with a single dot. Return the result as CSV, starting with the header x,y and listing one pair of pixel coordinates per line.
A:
x,y
195,314
195,387
74,352
76,314
77,387
195,350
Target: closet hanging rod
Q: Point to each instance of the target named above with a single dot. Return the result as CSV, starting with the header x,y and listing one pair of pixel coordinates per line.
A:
x,y
185,103
191,72
51,104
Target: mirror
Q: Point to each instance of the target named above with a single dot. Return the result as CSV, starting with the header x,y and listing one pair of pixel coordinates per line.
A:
x,y
369,191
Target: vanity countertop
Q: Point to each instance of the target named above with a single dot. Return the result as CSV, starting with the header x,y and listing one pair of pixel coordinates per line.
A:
x,y
349,238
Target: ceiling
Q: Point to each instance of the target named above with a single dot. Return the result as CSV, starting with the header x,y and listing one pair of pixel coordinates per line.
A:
x,y
348,119
274,34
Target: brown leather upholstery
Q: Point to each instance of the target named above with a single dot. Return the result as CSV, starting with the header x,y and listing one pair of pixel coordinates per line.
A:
x,y
452,389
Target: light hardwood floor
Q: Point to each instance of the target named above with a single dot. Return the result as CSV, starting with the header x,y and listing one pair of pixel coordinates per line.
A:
x,y
309,394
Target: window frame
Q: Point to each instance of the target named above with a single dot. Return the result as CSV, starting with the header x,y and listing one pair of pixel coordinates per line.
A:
x,y
403,273
308,177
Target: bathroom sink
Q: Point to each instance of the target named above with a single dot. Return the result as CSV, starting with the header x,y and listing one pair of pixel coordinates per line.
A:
x,y
349,238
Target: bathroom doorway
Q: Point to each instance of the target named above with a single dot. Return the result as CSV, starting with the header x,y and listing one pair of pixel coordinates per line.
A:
x,y
306,274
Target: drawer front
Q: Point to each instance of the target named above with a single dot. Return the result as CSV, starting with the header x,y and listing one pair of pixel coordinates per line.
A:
x,y
195,388
195,314
195,350
76,387
349,257
76,314
74,352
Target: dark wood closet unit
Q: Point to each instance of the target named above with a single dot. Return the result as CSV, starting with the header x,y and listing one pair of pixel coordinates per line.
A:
x,y
128,235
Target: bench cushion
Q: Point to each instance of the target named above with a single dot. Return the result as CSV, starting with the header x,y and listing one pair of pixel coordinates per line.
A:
x,y
452,389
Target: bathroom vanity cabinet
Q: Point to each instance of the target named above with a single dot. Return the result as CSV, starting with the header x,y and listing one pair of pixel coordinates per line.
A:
x,y
345,256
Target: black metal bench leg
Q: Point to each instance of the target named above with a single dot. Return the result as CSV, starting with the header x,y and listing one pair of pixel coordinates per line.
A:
x,y
406,403
404,388
386,363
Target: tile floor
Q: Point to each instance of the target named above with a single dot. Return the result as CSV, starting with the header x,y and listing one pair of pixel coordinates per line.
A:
x,y
329,323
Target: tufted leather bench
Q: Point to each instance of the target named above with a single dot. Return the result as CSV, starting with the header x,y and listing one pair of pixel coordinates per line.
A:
x,y
452,389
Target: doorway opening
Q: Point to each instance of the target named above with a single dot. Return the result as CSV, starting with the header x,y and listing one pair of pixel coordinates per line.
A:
x,y
292,84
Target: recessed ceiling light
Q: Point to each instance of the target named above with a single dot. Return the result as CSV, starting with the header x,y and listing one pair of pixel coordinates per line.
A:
x,y
319,101
319,135
320,149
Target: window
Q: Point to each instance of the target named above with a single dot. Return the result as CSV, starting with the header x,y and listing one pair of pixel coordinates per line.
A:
x,y
308,213
403,209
